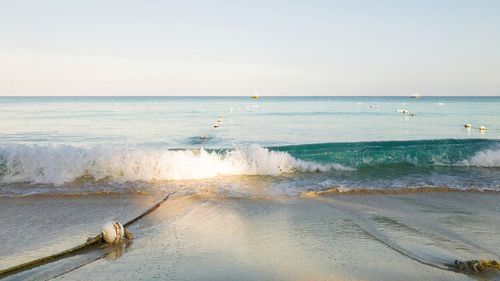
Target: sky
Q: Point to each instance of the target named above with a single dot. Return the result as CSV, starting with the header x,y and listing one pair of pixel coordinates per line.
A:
x,y
236,48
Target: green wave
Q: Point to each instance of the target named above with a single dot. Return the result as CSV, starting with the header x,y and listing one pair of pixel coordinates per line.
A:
x,y
423,153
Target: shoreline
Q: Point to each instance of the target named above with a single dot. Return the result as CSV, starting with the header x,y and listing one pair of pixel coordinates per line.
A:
x,y
393,191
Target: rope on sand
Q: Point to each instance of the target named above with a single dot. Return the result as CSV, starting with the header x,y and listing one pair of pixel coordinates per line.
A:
x,y
476,266
92,243
470,267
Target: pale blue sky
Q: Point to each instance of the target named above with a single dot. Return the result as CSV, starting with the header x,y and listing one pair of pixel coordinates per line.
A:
x,y
239,47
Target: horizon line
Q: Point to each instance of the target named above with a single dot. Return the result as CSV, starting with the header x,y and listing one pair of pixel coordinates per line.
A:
x,y
239,96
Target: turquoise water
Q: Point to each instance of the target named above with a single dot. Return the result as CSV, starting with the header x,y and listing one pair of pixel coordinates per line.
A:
x,y
174,121
288,144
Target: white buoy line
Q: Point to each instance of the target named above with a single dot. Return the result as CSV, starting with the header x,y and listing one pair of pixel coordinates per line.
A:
x,y
481,128
405,112
220,120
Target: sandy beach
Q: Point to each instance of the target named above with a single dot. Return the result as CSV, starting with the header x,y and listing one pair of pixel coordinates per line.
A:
x,y
213,237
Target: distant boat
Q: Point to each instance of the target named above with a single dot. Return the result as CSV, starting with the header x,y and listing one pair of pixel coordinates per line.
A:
x,y
255,96
415,96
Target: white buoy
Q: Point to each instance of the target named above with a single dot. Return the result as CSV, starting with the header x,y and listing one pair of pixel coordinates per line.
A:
x,y
113,232
482,128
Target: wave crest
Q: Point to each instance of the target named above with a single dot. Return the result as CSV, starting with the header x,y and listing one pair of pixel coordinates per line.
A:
x,y
486,158
62,164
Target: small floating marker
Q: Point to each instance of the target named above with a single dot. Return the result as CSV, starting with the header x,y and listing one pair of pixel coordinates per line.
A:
x,y
113,232
404,111
482,128
468,126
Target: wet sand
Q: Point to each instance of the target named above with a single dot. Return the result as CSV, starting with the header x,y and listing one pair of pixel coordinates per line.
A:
x,y
328,236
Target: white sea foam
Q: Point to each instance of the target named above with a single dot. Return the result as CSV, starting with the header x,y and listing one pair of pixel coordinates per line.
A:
x,y
485,158
61,164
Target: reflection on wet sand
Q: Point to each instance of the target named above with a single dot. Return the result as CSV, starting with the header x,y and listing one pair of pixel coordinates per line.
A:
x,y
201,236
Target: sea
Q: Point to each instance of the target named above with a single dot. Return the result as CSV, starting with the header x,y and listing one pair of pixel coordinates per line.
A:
x,y
235,188
244,146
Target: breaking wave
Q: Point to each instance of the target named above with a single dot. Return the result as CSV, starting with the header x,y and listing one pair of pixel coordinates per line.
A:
x,y
487,158
62,164
386,164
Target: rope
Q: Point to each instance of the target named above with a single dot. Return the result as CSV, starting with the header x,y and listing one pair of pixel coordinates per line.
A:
x,y
469,267
92,243
475,266
147,212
